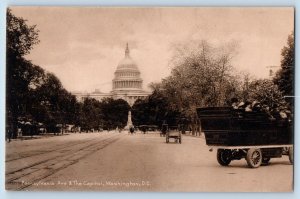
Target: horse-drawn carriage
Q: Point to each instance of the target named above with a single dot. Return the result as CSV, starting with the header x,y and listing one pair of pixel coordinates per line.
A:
x,y
251,135
172,132
147,128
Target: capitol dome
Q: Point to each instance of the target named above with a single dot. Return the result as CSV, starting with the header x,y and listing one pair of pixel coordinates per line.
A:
x,y
127,75
127,83
127,64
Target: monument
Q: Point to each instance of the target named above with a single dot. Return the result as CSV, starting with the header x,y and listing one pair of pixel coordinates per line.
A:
x,y
129,121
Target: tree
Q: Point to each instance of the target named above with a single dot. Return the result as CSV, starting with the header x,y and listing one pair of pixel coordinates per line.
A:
x,y
267,93
91,116
20,37
200,76
154,110
21,74
115,113
285,76
32,93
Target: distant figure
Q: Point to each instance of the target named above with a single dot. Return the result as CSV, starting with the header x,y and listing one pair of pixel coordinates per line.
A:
x,y
282,114
256,106
19,132
164,128
9,134
241,105
234,103
248,107
266,109
131,129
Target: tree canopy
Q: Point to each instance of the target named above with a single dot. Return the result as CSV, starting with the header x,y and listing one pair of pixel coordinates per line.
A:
x,y
285,76
32,94
20,36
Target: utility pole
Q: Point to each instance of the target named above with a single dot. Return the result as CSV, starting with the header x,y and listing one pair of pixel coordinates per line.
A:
x,y
271,70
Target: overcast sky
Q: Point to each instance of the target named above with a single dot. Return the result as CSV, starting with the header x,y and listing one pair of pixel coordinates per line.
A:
x,y
83,46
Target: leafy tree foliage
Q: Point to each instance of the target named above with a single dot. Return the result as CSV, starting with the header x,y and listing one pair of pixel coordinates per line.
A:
x,y
154,110
90,114
267,93
200,76
21,74
115,113
285,76
19,36
32,94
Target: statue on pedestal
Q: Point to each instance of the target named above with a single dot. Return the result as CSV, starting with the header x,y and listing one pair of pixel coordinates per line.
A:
x,y
129,121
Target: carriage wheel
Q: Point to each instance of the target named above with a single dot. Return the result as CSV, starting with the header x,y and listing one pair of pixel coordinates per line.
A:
x,y
265,161
254,158
291,155
224,157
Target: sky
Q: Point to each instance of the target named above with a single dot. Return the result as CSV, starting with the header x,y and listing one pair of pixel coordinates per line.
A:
x,y
83,46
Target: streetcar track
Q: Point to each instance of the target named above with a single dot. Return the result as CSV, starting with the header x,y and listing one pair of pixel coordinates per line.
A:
x,y
57,156
91,148
50,151
70,162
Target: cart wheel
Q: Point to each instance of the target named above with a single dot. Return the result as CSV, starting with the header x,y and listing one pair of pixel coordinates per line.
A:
x,y
291,155
265,161
224,157
254,158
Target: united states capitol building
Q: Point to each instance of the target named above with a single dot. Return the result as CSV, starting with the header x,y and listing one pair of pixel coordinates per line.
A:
x,y
127,83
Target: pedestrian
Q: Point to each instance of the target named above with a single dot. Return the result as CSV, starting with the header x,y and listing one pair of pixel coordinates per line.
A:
x,y
131,129
9,134
241,105
283,114
256,106
234,103
248,107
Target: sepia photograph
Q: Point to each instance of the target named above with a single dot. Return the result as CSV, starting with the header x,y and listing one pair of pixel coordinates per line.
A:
x,y
150,99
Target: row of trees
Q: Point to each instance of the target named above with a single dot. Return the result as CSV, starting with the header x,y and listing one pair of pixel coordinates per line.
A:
x,y
202,75
37,97
108,114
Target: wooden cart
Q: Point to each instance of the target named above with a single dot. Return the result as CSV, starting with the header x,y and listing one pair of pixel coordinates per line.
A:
x,y
237,134
175,133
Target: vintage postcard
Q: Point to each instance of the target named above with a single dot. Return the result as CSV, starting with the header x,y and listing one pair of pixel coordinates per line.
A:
x,y
159,99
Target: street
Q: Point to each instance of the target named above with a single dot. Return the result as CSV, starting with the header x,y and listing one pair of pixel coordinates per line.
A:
x,y
111,161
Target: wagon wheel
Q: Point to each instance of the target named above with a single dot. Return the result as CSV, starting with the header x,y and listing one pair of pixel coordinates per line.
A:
x,y
265,160
224,157
291,155
254,158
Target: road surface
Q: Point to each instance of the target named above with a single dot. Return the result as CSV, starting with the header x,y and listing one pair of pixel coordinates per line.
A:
x,y
111,161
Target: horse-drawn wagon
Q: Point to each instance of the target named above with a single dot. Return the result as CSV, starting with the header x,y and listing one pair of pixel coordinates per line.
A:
x,y
174,133
237,134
